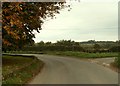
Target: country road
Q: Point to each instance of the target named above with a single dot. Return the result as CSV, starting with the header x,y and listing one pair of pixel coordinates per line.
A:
x,y
63,70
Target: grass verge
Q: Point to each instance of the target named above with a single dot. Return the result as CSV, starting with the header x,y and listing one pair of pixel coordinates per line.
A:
x,y
84,54
19,69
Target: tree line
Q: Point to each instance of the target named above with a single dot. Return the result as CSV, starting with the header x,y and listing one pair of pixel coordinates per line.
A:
x,y
62,45
69,45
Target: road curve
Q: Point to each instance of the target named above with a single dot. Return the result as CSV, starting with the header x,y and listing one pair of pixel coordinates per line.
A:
x,y
63,70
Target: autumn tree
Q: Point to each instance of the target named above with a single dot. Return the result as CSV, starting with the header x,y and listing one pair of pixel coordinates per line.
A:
x,y
20,19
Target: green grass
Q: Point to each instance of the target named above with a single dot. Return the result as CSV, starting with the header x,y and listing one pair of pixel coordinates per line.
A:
x,y
75,54
19,70
117,62
12,63
84,54
25,52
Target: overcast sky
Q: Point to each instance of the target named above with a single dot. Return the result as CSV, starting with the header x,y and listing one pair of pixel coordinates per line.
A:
x,y
87,20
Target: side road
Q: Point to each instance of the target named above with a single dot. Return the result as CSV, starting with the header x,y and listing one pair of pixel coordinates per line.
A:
x,y
106,62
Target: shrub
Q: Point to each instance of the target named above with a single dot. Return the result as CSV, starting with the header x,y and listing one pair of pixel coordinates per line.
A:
x,y
117,62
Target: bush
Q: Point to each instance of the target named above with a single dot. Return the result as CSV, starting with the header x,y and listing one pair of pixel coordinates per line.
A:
x,y
117,62
115,49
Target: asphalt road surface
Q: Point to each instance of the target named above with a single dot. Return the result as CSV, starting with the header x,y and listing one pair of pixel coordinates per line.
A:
x,y
63,70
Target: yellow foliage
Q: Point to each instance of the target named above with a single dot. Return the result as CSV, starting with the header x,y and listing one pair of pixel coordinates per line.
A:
x,y
6,42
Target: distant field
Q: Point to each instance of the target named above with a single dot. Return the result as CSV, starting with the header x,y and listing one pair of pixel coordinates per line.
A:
x,y
18,69
84,54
